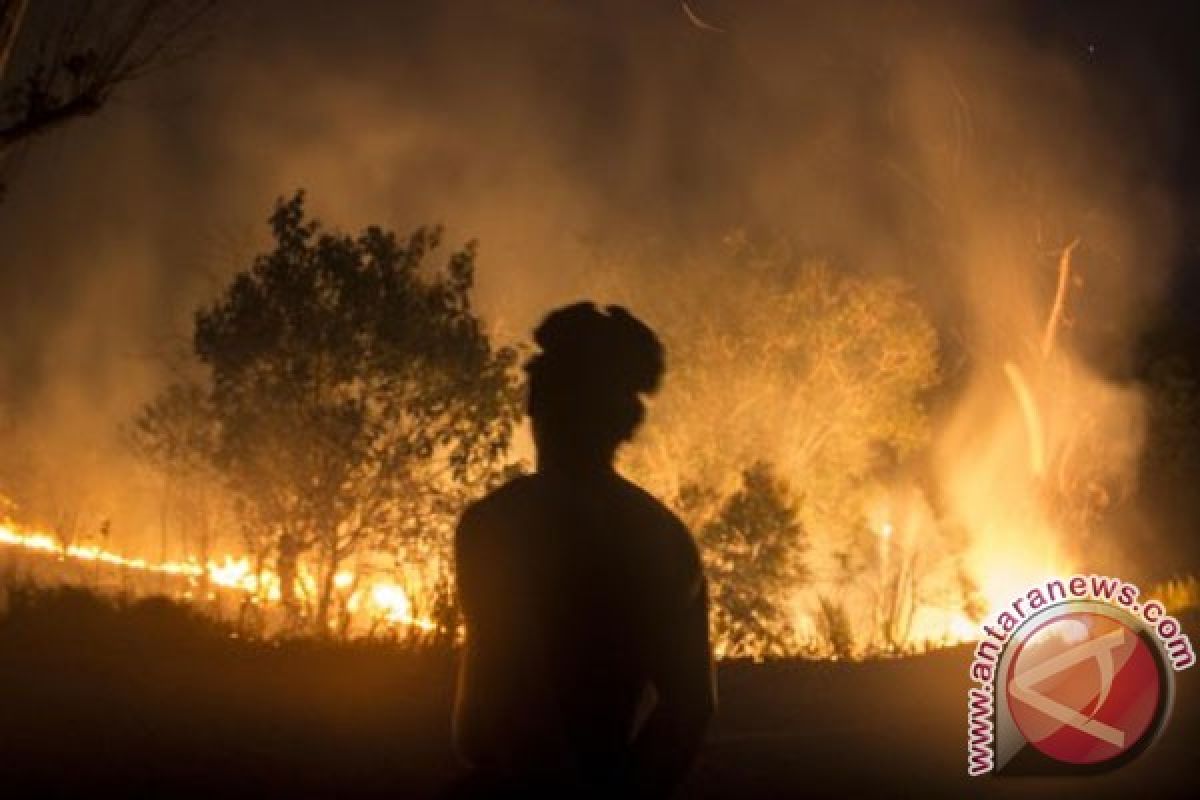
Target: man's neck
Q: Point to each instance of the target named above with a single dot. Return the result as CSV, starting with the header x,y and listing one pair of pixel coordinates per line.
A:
x,y
575,464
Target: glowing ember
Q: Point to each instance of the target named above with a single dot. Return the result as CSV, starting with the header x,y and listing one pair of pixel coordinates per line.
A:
x,y
234,574
394,602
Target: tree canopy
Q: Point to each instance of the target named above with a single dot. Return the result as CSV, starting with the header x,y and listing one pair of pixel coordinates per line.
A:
x,y
783,365
357,398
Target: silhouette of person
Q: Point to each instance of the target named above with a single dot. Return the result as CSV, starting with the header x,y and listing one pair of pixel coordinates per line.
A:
x,y
587,670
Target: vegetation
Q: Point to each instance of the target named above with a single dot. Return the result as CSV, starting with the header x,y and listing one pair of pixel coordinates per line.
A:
x,y
752,548
351,403
804,371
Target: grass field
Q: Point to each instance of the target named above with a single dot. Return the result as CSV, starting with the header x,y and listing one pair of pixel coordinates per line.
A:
x,y
146,699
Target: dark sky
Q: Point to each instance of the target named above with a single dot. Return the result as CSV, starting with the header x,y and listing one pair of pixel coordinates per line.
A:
x,y
1147,58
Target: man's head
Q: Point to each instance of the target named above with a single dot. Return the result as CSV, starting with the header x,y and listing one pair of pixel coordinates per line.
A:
x,y
585,385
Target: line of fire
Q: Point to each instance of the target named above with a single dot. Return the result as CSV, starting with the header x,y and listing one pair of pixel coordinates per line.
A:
x,y
926,579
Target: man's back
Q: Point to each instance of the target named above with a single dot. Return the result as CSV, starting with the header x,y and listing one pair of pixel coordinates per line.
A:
x,y
587,669
587,631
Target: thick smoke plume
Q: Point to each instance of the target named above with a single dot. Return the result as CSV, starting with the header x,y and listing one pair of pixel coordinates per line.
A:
x,y
953,146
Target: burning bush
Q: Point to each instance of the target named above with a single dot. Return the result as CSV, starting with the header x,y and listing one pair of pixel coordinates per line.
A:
x,y
823,374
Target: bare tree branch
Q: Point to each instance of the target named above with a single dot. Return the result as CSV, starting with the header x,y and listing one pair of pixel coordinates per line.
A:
x,y
83,59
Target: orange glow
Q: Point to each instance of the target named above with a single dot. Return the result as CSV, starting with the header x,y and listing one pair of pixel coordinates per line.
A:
x,y
376,598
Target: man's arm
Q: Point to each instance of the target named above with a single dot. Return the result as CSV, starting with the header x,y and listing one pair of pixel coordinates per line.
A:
x,y
501,716
684,681
470,717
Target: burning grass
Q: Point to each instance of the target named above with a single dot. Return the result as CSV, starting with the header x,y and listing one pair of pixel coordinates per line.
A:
x,y
229,588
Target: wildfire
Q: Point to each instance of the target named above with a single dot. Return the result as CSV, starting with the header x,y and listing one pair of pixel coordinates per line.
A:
x,y
378,598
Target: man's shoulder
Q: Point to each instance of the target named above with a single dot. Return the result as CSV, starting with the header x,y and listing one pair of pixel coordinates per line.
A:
x,y
659,520
499,502
649,504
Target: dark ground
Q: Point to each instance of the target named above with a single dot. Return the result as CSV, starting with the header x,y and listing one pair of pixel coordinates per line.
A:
x,y
150,701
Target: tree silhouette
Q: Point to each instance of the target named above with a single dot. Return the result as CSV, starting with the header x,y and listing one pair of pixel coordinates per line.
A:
x,y
357,398
78,57
752,549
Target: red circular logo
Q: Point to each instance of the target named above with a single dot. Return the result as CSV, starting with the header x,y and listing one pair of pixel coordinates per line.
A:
x,y
1084,688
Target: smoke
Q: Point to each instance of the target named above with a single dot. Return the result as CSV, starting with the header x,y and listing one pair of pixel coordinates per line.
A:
x,y
957,146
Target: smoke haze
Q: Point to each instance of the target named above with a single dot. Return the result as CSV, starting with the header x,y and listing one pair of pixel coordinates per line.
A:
x,y
958,146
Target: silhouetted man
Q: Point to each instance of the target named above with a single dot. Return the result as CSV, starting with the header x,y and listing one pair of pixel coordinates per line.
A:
x,y
587,670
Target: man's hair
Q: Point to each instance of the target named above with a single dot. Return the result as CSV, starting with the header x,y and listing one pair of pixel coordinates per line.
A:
x,y
593,368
